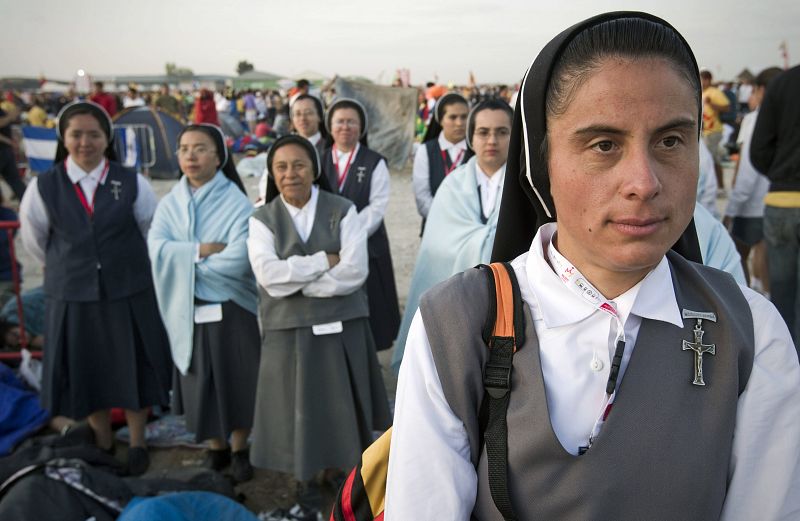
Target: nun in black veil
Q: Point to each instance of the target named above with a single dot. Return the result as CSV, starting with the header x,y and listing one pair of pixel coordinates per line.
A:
x,y
105,345
601,408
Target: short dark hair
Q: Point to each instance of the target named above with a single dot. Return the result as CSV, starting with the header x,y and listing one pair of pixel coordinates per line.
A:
x,y
766,76
302,83
706,74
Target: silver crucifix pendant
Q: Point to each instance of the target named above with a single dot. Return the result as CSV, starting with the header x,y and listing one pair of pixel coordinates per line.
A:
x,y
698,346
333,221
361,174
116,189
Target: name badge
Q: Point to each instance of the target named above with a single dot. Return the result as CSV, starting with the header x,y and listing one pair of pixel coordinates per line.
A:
x,y
207,313
330,328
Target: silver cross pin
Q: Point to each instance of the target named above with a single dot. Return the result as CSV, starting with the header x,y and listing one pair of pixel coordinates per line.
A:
x,y
698,346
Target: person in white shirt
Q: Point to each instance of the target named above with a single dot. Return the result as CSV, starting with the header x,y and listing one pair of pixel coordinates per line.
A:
x,y
306,115
320,393
132,99
601,175
460,230
441,152
360,174
744,215
86,221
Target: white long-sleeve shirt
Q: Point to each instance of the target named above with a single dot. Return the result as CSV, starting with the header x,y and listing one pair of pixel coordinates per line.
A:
x,y
430,472
310,274
420,174
35,221
371,216
750,188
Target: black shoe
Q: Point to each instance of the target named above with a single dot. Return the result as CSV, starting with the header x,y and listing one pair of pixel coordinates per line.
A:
x,y
217,459
241,470
138,461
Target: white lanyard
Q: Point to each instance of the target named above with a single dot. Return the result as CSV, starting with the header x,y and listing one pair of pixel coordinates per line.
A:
x,y
578,285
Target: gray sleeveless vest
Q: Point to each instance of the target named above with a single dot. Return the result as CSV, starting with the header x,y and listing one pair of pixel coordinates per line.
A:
x,y
664,451
297,310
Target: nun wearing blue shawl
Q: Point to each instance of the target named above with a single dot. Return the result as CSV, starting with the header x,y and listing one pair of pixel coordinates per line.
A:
x,y
208,298
461,225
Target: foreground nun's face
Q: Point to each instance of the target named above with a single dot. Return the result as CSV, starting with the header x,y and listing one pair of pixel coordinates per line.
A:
x,y
292,170
623,166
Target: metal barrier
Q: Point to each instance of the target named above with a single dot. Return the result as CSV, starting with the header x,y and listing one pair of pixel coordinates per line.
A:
x,y
135,145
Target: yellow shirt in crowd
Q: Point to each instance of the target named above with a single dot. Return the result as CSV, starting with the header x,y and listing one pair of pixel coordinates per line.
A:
x,y
711,121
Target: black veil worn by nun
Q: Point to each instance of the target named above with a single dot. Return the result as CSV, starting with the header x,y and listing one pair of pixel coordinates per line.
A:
x,y
348,103
225,161
527,203
293,139
323,131
84,107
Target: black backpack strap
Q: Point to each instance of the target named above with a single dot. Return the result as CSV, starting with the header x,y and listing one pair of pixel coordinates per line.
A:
x,y
502,332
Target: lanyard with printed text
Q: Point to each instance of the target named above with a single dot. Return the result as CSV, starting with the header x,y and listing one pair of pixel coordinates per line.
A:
x,y
578,285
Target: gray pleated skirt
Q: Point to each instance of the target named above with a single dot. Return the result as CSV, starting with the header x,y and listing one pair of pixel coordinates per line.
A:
x,y
218,392
104,354
319,399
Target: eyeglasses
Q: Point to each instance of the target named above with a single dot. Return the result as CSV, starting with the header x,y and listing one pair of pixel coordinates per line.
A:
x,y
498,133
200,150
341,123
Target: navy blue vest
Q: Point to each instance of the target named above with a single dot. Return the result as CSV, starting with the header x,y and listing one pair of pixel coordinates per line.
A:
x,y
89,259
356,188
437,166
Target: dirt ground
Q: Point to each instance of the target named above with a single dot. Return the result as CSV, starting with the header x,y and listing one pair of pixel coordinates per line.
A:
x,y
268,489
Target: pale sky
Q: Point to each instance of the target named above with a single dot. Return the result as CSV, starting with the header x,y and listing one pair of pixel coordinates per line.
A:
x,y
370,38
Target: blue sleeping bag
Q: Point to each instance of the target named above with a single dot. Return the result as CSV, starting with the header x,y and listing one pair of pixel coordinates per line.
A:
x,y
185,506
21,414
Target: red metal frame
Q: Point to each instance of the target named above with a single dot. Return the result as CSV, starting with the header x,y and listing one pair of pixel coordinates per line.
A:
x,y
10,227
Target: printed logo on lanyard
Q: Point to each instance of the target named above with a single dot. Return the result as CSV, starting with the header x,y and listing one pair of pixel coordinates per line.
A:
x,y
575,282
573,279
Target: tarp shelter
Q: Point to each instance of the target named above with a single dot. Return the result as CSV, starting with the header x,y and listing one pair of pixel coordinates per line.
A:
x,y
231,126
146,139
391,112
256,80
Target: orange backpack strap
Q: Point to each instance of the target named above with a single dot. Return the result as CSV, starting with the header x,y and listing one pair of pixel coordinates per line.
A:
x,y
361,497
503,333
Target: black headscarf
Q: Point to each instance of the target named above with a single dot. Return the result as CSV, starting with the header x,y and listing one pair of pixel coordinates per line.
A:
x,y
320,112
348,103
225,161
435,125
294,139
524,208
83,107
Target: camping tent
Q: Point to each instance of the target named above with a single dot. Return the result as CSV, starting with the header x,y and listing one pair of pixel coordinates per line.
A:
x,y
231,126
146,139
391,112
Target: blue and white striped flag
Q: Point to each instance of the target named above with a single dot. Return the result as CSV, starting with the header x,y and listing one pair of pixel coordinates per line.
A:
x,y
40,147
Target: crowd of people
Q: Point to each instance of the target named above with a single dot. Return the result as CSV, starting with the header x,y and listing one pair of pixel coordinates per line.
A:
x,y
263,319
